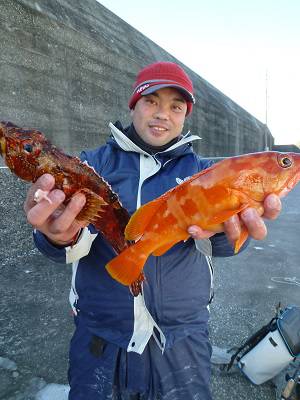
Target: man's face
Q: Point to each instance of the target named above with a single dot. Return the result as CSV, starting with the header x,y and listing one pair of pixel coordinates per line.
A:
x,y
159,117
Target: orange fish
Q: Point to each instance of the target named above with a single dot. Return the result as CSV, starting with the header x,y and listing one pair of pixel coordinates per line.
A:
x,y
207,199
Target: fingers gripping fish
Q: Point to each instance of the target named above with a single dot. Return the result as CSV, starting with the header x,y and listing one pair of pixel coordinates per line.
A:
x,y
207,199
29,155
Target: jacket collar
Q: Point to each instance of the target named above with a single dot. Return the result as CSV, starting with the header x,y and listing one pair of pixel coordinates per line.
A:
x,y
176,149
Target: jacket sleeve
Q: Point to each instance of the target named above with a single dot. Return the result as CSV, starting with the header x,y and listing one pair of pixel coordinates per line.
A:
x,y
222,248
67,254
55,253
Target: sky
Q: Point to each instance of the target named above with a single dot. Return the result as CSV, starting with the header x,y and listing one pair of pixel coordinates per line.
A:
x,y
249,50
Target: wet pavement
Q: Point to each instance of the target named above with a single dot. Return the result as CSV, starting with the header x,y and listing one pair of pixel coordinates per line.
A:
x,y
36,324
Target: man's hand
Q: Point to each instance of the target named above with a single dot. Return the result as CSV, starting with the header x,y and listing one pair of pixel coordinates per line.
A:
x,y
250,217
253,221
50,216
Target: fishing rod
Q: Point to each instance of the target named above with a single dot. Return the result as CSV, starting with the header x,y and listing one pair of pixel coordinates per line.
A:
x,y
292,381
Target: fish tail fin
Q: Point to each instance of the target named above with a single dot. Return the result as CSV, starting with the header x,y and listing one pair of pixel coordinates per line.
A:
x,y
241,240
128,265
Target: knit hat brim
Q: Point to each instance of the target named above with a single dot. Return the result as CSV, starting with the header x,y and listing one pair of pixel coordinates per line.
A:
x,y
186,94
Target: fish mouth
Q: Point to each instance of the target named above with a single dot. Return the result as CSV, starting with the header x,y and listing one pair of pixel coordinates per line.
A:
x,y
295,179
2,145
290,185
2,141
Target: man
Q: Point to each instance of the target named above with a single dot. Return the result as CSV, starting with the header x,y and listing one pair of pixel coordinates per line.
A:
x,y
155,345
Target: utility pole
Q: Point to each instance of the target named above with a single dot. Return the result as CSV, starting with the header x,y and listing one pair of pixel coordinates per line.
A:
x,y
266,115
266,99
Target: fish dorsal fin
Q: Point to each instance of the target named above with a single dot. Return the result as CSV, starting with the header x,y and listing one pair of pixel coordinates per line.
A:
x,y
141,218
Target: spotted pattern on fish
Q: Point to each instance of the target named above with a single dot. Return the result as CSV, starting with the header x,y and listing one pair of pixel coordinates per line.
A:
x,y
207,199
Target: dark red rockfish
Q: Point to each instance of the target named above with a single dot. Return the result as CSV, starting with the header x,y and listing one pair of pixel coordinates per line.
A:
x,y
29,155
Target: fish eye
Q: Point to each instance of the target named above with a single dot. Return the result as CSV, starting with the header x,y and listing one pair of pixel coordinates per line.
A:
x,y
285,162
28,147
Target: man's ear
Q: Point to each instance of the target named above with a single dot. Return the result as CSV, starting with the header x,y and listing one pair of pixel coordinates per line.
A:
x,y
131,112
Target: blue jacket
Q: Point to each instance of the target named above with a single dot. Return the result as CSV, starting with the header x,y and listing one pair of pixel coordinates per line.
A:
x,y
178,284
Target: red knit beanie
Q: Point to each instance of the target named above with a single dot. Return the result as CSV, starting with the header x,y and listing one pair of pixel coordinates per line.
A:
x,y
159,75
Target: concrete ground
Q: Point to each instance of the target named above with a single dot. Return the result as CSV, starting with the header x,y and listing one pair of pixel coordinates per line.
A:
x,y
35,320
247,289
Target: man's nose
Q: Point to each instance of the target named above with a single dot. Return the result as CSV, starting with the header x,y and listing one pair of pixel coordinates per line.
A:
x,y
161,112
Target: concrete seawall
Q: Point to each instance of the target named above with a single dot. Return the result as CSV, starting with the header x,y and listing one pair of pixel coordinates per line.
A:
x,y
67,68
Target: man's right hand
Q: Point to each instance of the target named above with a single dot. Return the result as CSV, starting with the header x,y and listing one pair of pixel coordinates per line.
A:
x,y
54,219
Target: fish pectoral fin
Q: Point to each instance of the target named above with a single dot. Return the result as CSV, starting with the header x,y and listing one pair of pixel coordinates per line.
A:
x,y
241,240
93,206
224,215
141,218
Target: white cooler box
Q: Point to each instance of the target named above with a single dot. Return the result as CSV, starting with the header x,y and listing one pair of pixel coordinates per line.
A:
x,y
276,350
